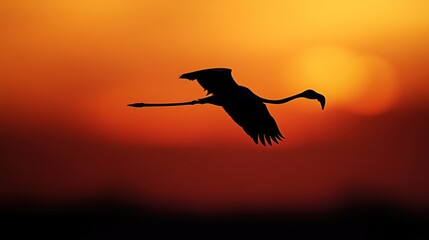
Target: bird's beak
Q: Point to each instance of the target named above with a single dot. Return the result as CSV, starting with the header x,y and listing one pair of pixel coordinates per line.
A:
x,y
322,100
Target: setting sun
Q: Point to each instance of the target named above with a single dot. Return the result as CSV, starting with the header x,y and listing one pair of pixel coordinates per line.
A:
x,y
346,77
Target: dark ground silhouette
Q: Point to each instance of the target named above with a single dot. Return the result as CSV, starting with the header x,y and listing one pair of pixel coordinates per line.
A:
x,y
110,218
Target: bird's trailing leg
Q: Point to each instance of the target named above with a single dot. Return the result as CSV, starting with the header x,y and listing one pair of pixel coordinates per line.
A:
x,y
140,105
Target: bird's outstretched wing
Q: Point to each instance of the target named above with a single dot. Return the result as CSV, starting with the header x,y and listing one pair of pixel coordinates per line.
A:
x,y
256,121
214,80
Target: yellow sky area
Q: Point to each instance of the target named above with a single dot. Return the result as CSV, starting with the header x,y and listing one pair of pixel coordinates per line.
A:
x,y
228,25
96,56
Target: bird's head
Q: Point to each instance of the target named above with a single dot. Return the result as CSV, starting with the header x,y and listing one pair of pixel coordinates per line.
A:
x,y
311,94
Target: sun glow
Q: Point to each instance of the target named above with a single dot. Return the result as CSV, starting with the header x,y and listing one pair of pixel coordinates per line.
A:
x,y
360,83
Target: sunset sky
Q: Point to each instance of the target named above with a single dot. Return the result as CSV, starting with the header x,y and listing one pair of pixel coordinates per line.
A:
x,y
69,68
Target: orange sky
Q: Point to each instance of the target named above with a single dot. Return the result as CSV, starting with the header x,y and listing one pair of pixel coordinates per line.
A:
x,y
72,66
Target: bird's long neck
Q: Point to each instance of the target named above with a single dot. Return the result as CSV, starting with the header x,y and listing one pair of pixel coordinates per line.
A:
x,y
283,100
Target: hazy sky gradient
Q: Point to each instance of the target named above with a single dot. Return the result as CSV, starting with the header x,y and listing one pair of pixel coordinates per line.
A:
x,y
68,69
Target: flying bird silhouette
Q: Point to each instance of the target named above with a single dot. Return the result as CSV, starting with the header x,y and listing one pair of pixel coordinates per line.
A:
x,y
243,106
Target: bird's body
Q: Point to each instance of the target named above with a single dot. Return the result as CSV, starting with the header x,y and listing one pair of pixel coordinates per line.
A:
x,y
249,112
243,106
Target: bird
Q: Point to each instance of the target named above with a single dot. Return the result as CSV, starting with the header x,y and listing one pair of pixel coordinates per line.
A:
x,y
247,109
